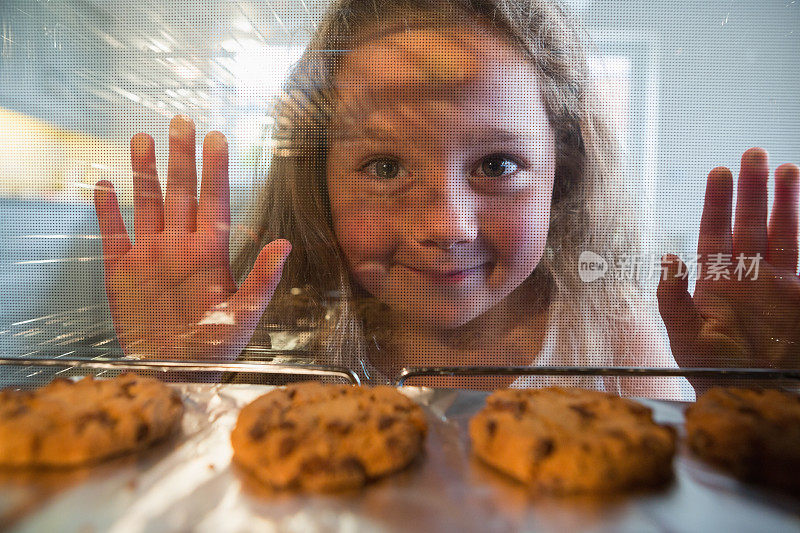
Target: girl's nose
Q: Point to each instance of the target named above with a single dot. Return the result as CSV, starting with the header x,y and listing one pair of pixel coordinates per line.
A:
x,y
447,221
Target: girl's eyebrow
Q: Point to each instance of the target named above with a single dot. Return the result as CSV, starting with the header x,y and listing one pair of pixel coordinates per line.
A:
x,y
484,136
350,133
491,134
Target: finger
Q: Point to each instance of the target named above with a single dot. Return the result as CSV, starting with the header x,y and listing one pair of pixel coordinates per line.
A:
x,y
715,223
147,201
255,293
782,230
116,242
681,317
750,227
214,215
181,197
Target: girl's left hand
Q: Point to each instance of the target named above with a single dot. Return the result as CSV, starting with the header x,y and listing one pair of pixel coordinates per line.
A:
x,y
742,319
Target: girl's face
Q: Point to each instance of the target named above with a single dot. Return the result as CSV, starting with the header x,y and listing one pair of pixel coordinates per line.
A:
x,y
440,171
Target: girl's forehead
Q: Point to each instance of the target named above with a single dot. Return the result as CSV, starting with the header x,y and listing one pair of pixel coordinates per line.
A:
x,y
439,72
427,58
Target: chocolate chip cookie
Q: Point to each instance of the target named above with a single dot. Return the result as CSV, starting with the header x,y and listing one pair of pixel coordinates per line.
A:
x,y
560,440
69,423
311,436
754,434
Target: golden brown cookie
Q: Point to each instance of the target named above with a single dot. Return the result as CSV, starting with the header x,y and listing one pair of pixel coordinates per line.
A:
x,y
754,434
327,437
559,440
71,423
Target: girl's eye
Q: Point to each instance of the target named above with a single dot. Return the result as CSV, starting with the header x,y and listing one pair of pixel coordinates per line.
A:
x,y
496,166
385,169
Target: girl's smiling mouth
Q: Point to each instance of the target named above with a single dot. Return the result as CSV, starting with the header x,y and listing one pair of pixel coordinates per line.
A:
x,y
448,275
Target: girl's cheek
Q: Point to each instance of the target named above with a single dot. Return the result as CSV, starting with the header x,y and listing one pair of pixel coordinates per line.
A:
x,y
518,233
365,234
368,242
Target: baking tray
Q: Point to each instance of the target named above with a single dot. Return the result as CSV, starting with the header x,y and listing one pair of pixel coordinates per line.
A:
x,y
189,483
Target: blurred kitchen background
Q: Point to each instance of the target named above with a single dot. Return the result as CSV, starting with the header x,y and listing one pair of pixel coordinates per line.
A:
x,y
691,84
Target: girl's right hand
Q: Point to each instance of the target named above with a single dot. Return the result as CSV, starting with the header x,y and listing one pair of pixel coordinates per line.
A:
x,y
172,293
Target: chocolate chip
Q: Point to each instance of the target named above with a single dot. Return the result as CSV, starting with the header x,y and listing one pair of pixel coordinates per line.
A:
x,y
258,431
702,439
386,422
125,390
402,408
292,393
287,425
142,431
491,427
544,448
392,442
617,433
18,411
316,464
286,446
337,426
651,443
747,410
583,411
353,464
638,409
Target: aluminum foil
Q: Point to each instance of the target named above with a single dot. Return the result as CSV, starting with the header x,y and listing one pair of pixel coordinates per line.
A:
x,y
189,484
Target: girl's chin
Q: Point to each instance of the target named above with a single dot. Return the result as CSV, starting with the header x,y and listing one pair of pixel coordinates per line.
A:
x,y
441,318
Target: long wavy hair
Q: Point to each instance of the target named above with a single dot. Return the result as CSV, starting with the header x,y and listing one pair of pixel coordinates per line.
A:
x,y
590,210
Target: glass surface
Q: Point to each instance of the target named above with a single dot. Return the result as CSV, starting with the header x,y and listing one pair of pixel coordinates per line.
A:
x,y
683,87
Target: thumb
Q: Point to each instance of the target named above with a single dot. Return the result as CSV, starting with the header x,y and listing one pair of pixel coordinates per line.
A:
x,y
256,291
676,306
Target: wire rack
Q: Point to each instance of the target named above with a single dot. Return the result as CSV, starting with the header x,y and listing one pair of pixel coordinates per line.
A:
x,y
121,365
324,371
473,371
36,350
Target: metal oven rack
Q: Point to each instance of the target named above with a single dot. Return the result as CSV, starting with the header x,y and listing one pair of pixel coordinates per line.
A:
x,y
260,367
187,366
472,371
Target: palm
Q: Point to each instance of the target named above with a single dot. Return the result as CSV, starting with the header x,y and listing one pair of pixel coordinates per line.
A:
x,y
170,290
172,293
755,320
752,322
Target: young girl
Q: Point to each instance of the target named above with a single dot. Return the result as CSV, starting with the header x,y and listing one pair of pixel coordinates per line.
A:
x,y
440,166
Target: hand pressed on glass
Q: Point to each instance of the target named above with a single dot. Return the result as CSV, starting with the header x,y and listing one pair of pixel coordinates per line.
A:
x,y
749,322
172,292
